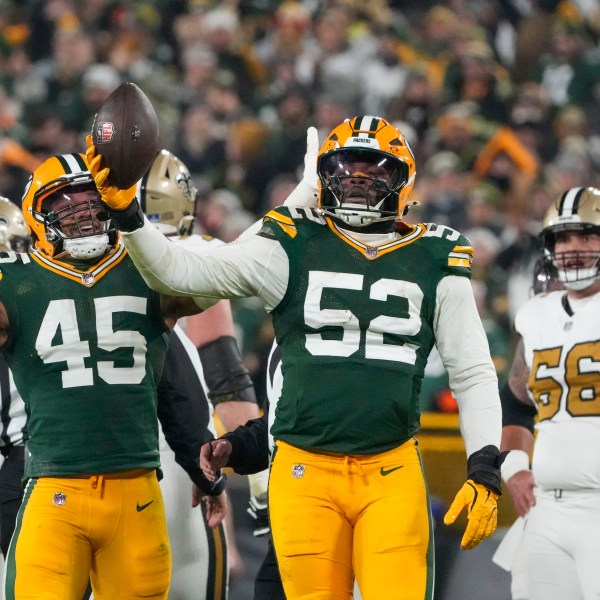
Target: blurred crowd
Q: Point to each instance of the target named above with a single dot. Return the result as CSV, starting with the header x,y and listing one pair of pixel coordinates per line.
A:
x,y
498,98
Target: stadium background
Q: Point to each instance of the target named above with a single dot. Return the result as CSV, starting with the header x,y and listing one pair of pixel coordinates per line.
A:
x,y
498,99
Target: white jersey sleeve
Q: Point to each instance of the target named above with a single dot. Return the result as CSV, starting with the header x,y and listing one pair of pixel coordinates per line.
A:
x,y
471,372
256,266
562,352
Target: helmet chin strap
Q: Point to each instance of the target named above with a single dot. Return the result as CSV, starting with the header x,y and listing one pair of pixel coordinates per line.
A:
x,y
87,248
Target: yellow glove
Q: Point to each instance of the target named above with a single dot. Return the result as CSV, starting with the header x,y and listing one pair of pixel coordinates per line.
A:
x,y
482,513
112,196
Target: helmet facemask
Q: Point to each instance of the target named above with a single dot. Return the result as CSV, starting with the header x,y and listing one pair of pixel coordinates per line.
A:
x,y
76,221
575,269
360,187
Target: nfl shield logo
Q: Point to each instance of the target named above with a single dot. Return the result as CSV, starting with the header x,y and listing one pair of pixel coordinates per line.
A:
x,y
87,279
59,499
371,252
105,132
298,471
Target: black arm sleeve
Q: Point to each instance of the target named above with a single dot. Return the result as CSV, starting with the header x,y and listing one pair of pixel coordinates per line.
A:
x,y
514,411
224,372
183,414
250,446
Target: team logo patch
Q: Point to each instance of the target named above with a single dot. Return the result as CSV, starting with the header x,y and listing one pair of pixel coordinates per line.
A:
x,y
105,132
87,279
59,499
371,252
298,471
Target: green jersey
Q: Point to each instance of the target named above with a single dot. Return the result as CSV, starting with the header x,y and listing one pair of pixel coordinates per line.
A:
x,y
356,326
86,348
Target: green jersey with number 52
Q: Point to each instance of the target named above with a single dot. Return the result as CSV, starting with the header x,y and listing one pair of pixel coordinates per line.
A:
x,y
356,326
86,348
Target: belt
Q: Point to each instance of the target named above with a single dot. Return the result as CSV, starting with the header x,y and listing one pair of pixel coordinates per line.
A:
x,y
561,494
13,452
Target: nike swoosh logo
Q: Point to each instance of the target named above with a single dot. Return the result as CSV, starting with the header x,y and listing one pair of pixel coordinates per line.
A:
x,y
141,507
383,472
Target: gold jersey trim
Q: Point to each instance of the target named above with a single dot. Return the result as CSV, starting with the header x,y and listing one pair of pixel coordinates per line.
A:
x,y
286,223
461,256
372,252
87,277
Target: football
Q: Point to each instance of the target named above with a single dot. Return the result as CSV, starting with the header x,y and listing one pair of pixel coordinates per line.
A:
x,y
125,133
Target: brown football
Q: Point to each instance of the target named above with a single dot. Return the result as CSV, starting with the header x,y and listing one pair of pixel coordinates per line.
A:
x,y
125,132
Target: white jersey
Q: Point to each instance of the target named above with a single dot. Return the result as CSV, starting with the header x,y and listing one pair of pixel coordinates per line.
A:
x,y
562,352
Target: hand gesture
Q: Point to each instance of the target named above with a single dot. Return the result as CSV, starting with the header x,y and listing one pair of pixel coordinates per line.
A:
x,y
213,457
310,158
520,487
216,506
482,513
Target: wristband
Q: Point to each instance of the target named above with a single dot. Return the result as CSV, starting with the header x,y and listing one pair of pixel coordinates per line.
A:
x,y
129,219
515,461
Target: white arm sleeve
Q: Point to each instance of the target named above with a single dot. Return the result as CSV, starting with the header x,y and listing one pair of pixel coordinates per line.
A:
x,y
463,346
256,266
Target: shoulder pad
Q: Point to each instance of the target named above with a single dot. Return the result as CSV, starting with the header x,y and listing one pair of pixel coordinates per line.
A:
x,y
287,219
453,244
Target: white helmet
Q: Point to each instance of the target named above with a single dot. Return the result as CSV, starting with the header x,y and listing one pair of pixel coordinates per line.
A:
x,y
168,195
14,235
577,209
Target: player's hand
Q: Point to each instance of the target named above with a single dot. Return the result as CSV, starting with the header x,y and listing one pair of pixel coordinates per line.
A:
x,y
258,509
482,512
216,506
213,457
310,158
520,487
112,196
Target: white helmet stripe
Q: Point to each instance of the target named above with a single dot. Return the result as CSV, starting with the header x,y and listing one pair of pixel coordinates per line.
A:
x,y
569,203
70,162
368,123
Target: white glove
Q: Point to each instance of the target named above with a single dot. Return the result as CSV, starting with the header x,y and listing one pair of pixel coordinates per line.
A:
x,y
310,158
305,193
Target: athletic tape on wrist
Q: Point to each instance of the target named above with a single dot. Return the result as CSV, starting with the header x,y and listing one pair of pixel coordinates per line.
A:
x,y
515,461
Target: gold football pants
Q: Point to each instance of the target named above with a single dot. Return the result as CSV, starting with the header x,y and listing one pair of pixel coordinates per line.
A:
x,y
108,528
336,517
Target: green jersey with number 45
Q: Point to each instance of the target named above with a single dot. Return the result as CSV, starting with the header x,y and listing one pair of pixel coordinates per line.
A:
x,y
86,348
356,326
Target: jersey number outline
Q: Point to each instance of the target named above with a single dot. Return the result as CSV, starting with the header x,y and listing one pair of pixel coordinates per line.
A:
x,y
581,381
375,347
61,316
